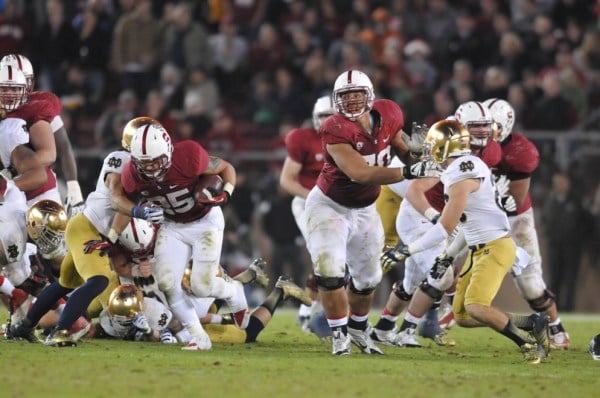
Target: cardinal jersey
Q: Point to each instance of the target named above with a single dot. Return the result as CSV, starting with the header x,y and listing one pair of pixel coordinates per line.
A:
x,y
304,146
97,205
54,107
175,192
485,221
520,158
375,149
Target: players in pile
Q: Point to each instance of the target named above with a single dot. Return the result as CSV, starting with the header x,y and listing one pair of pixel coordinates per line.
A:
x,y
519,160
301,168
344,230
42,112
471,192
166,175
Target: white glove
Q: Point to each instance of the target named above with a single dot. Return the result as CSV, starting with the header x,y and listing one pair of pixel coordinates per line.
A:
x,y
416,139
152,213
502,183
141,323
166,337
75,201
441,274
508,204
424,168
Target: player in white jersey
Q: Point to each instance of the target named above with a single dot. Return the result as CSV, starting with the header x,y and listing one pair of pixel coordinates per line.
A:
x,y
85,271
471,192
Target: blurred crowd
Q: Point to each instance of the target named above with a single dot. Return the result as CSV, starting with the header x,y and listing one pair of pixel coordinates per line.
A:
x,y
237,75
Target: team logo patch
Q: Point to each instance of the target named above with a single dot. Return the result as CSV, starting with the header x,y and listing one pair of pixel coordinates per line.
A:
x,y
13,252
359,145
114,162
466,166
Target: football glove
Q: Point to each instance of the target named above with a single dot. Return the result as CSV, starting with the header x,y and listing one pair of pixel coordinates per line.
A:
x,y
141,323
502,185
393,256
508,204
154,214
424,168
218,199
416,139
102,245
74,203
166,337
441,274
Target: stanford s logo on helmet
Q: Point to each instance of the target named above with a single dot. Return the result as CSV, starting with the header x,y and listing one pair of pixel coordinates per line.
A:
x,y
151,150
351,81
503,115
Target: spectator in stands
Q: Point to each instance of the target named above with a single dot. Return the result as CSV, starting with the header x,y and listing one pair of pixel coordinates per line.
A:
x,y
267,53
495,82
202,91
417,64
351,36
156,108
225,137
551,112
106,133
171,86
14,30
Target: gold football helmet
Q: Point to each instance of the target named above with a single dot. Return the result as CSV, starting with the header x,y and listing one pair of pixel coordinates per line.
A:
x,y
445,139
131,127
46,225
125,301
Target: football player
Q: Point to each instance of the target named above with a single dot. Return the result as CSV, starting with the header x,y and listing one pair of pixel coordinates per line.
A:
x,y
343,226
42,111
166,176
85,270
471,192
301,168
520,158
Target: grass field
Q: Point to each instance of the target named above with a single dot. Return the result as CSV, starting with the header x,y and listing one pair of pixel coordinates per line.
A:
x,y
287,363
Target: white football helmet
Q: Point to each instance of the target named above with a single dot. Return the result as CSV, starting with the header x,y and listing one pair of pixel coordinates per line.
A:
x,y
13,88
46,226
23,64
323,108
503,115
138,237
353,80
477,118
151,150
13,236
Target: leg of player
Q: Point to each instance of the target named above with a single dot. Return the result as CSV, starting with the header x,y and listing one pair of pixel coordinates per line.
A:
x,y
384,328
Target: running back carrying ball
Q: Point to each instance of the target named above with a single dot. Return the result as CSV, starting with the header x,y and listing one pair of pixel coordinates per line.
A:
x,y
208,187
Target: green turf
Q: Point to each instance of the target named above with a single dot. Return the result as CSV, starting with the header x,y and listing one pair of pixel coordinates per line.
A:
x,y
287,363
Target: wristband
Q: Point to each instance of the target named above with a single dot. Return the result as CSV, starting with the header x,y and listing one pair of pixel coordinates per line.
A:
x,y
228,188
431,214
112,235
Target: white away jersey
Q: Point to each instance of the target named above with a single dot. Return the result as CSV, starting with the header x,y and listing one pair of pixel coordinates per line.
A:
x,y
485,221
13,132
97,205
399,188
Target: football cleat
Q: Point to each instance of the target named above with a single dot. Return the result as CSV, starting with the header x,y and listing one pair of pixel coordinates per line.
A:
x,y
594,347
341,343
260,276
290,289
559,339
407,338
541,333
447,317
60,338
199,343
531,354
362,340
387,337
19,331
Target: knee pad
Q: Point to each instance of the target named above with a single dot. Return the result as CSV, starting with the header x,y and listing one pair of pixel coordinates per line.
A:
x,y
364,292
329,283
398,290
431,291
542,303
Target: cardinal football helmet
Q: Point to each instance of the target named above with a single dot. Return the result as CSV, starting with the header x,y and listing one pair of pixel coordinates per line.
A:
x,y
151,150
503,115
46,226
446,139
13,88
23,64
323,108
138,237
477,118
12,233
125,301
349,81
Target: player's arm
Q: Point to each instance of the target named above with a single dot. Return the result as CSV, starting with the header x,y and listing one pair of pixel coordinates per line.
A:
x,y
31,173
225,169
68,164
42,139
518,189
358,170
415,194
289,178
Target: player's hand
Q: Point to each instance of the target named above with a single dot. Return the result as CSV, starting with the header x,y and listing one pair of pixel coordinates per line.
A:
x,y
502,183
141,322
154,214
102,245
218,199
74,203
391,257
166,337
441,274
416,139
508,204
424,168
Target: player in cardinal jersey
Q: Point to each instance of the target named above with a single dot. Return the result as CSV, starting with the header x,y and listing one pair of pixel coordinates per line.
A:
x,y
472,201
166,176
19,163
344,229
301,168
520,158
42,111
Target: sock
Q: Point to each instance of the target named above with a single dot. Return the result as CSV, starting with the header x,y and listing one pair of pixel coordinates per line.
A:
x,y
358,321
450,297
556,327
5,286
304,310
555,323
254,327
515,334
521,321
273,300
44,303
183,336
410,321
387,320
80,299
340,324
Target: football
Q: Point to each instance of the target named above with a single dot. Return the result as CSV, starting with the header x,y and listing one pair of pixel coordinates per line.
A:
x,y
208,186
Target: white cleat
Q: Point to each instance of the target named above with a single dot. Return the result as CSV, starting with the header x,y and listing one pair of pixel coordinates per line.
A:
x,y
362,340
199,343
341,343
